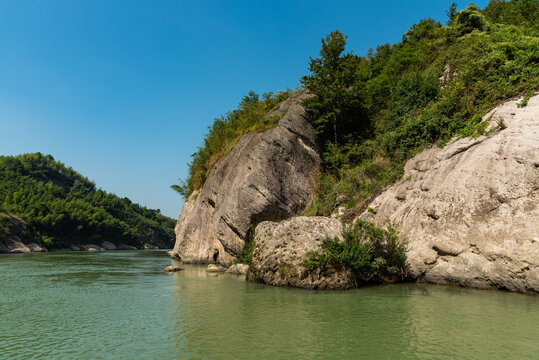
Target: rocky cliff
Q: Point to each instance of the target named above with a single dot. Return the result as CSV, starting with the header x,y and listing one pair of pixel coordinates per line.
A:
x,y
470,210
266,176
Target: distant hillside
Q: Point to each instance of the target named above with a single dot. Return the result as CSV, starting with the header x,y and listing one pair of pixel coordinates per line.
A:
x,y
60,207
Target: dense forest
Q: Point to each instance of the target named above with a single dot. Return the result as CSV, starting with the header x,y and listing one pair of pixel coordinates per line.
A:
x,y
61,207
372,113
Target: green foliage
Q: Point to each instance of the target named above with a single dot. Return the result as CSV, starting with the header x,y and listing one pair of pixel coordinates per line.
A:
x,y
433,85
5,225
246,253
520,13
250,116
369,253
60,206
182,188
336,106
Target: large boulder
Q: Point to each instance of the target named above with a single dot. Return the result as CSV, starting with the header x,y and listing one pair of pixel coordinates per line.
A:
x,y
34,247
13,245
11,230
107,245
92,247
266,176
122,246
279,249
470,210
239,269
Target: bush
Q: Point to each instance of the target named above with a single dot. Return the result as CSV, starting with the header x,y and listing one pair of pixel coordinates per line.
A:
x,y
369,253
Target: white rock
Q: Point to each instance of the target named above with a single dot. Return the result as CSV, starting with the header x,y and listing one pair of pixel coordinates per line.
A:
x,y
470,210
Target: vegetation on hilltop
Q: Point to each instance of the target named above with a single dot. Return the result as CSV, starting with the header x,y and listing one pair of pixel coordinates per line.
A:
x,y
250,116
373,113
62,207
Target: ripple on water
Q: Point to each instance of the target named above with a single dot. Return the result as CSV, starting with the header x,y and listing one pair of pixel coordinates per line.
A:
x,y
120,305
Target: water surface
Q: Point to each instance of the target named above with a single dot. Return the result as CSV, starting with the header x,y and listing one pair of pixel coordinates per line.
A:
x,y
120,305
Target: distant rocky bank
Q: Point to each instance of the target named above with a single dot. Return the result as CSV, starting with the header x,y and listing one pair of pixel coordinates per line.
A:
x,y
13,230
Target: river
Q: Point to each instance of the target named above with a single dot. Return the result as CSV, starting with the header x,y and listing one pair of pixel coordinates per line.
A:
x,y
121,305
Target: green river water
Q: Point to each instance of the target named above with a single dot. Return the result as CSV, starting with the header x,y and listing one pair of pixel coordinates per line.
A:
x,y
120,305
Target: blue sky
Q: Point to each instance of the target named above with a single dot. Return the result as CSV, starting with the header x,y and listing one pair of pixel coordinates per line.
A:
x,y
123,91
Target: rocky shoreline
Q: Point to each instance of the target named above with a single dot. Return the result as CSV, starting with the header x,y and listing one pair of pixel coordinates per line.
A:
x,y
13,244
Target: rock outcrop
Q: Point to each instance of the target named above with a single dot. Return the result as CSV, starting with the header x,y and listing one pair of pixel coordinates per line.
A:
x,y
107,245
279,249
470,210
92,247
11,231
215,268
13,245
173,268
266,176
239,269
34,247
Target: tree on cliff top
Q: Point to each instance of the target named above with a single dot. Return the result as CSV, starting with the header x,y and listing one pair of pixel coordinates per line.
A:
x,y
336,103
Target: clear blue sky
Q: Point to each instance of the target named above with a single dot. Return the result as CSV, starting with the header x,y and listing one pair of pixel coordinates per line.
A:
x,y
123,91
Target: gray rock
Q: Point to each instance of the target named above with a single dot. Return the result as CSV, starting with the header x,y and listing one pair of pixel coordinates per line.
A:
x,y
107,245
13,245
173,268
266,176
122,246
240,269
75,248
470,210
35,247
215,268
92,247
280,247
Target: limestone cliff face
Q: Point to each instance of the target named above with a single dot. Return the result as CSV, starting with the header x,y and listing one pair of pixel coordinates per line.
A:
x,y
470,210
266,176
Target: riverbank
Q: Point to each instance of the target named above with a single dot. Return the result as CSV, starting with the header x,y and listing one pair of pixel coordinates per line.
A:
x,y
13,245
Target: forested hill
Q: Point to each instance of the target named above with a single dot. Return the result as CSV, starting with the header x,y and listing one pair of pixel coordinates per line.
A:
x,y
61,207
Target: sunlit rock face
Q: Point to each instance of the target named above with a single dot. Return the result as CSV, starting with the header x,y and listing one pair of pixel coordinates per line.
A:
x,y
266,176
280,247
470,210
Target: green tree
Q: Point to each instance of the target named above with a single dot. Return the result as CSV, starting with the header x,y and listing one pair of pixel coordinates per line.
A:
x,y
336,105
182,188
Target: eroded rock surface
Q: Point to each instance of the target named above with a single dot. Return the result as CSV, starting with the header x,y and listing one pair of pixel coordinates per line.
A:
x,y
280,247
215,268
107,245
10,241
266,176
34,247
240,269
13,245
470,210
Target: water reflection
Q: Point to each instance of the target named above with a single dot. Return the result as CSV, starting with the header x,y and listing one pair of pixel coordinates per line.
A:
x,y
121,305
219,316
